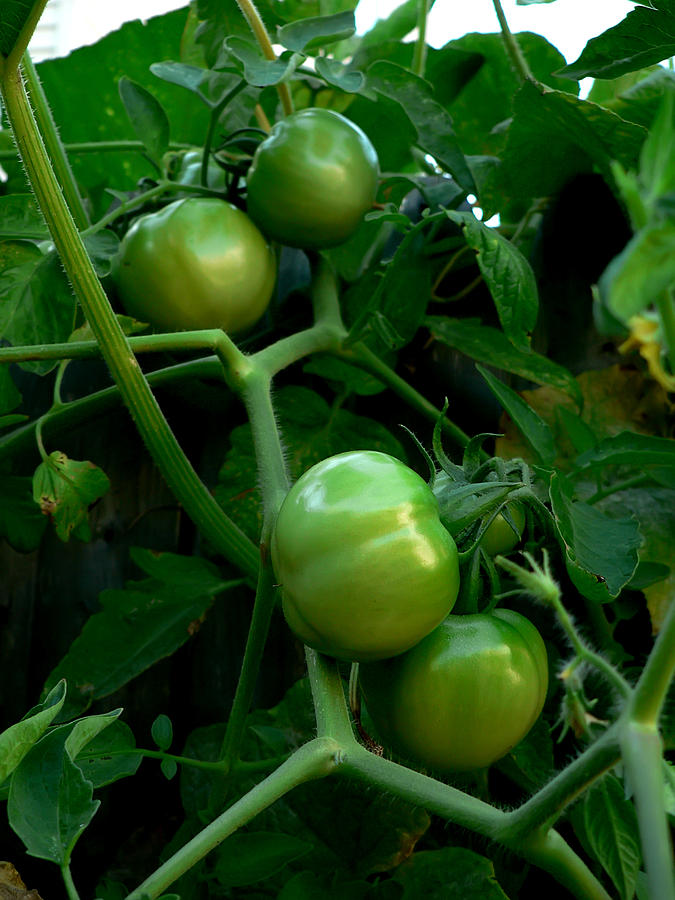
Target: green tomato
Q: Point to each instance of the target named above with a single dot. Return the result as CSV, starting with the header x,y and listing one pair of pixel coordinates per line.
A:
x,y
312,179
190,171
499,536
197,263
462,697
366,569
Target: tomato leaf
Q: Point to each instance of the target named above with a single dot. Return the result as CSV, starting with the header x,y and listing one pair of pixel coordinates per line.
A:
x,y
162,732
450,872
601,553
339,75
21,522
14,17
17,740
628,448
248,857
491,347
64,489
10,397
21,219
50,800
611,830
147,117
508,275
258,70
109,755
533,428
645,36
317,31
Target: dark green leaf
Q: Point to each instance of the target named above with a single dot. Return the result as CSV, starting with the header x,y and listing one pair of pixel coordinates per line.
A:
x,y
580,434
630,449
435,133
657,161
554,136
147,117
640,102
50,800
612,831
317,32
508,275
248,857
644,37
36,303
109,756
102,246
162,732
339,75
641,272
21,522
531,761
17,740
169,768
491,347
10,397
190,77
14,15
20,219
530,424
450,872
258,70
601,552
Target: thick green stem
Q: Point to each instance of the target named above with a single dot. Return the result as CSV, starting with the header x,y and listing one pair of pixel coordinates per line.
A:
x,y
136,394
516,56
551,852
332,715
55,149
420,53
102,147
315,760
254,19
67,876
652,687
642,755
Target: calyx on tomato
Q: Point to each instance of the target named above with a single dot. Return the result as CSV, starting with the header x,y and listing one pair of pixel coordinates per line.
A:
x,y
499,537
365,566
462,697
197,263
312,179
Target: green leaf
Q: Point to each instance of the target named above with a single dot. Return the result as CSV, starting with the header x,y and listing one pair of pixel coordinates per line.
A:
x,y
137,627
339,75
10,397
508,275
169,768
102,246
190,77
643,270
640,102
109,756
533,428
17,740
248,857
435,133
258,70
14,16
580,434
554,136
162,732
657,161
612,831
317,31
147,117
492,347
64,489
21,522
628,448
601,553
36,303
450,872
21,219
644,37
50,800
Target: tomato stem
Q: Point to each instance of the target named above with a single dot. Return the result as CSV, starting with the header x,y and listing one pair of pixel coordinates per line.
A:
x,y
254,19
513,50
420,53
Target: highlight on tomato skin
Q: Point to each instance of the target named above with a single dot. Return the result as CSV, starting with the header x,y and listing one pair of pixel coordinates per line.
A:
x,y
198,262
312,180
365,566
462,697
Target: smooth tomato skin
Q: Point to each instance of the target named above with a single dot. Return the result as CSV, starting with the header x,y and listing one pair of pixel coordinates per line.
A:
x,y
197,263
312,179
366,569
190,171
499,536
462,697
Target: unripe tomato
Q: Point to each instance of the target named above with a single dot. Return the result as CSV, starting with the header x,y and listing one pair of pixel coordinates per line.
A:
x,y
499,536
462,697
312,179
190,171
197,263
366,569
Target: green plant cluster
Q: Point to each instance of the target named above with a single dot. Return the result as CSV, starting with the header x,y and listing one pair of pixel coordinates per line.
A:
x,y
336,459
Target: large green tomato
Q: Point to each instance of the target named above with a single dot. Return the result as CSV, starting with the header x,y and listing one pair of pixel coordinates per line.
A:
x,y
462,697
499,537
197,263
312,179
366,569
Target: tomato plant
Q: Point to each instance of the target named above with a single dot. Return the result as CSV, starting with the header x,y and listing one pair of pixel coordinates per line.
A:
x,y
463,696
312,179
366,569
189,171
197,263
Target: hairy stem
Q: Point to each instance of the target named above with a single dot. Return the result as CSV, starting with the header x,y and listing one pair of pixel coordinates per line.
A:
x,y
254,19
420,53
513,50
